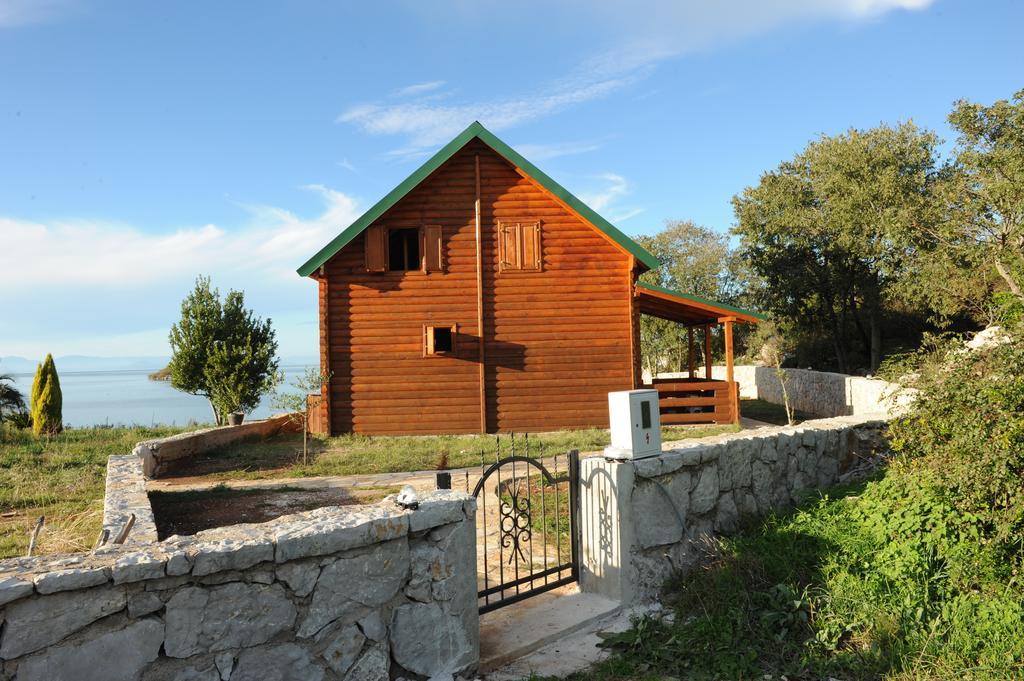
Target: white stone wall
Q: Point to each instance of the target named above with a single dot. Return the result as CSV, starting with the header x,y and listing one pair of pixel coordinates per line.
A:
x,y
340,593
819,393
644,520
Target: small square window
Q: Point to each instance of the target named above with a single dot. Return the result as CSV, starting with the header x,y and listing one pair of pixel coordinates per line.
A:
x,y
439,340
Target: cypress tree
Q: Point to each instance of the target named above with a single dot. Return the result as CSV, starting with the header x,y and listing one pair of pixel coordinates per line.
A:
x,y
46,399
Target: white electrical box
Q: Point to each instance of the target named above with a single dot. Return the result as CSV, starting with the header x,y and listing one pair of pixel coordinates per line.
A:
x,y
635,424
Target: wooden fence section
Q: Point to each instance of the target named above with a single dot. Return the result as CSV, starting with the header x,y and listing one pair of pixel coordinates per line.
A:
x,y
696,401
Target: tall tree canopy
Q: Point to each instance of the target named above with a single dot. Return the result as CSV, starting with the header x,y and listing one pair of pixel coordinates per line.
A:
x,y
973,258
694,259
825,230
222,351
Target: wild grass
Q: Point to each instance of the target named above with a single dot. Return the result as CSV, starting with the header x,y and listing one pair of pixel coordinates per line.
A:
x,y
60,478
281,456
836,589
769,412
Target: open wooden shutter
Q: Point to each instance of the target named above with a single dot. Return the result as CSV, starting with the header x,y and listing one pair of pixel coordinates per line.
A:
x,y
529,244
376,250
433,249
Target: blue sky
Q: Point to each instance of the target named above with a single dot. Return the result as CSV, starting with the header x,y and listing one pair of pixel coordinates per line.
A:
x,y
144,143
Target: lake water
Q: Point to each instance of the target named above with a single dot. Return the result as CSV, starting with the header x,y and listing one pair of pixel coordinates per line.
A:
x,y
129,398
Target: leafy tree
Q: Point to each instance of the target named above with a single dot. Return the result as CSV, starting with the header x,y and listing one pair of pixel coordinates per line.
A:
x,y
308,390
222,351
694,259
12,402
47,400
974,256
824,231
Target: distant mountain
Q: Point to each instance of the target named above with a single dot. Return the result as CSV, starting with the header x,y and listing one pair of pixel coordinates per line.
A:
x,y
20,365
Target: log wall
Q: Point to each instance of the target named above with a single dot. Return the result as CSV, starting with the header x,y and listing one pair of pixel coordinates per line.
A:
x,y
556,340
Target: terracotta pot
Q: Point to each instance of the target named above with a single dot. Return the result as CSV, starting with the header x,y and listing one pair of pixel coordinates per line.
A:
x,y
235,418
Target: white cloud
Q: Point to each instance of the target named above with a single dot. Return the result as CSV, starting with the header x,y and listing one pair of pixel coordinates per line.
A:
x,y
541,152
632,39
429,123
15,13
99,279
419,89
616,187
606,199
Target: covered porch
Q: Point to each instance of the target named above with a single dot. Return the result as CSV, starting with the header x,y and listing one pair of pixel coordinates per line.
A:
x,y
696,399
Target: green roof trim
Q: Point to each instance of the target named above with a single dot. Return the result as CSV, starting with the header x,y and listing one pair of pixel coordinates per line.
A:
x,y
475,130
701,300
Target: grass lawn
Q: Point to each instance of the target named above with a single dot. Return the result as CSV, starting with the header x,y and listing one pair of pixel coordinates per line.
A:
x,y
61,478
760,410
281,456
837,589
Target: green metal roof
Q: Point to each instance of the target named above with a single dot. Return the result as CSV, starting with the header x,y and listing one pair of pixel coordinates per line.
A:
x,y
475,130
701,300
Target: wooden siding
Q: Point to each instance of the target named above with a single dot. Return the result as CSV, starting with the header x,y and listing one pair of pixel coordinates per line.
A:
x,y
556,340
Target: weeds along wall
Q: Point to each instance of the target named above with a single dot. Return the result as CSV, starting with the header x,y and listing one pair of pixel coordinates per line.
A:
x,y
340,593
643,521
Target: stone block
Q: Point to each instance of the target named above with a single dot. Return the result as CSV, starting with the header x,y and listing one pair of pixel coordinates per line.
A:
x,y
428,641
72,578
13,588
230,554
370,578
282,662
372,665
299,575
139,565
34,623
321,535
115,656
726,514
143,603
705,494
658,522
342,648
236,615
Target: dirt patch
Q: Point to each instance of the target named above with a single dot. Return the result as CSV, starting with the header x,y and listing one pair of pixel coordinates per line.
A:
x,y
185,513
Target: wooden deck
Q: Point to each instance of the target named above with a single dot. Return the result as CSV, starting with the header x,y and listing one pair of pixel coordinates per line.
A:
x,y
684,401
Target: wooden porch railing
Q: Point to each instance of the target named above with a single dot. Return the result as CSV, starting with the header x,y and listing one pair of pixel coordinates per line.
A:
x,y
695,401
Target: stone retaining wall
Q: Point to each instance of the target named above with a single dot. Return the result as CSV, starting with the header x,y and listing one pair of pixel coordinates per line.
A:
x,y
340,593
643,520
159,455
126,495
818,393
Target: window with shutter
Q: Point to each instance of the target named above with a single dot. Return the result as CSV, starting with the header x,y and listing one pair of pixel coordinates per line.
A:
x,y
376,250
519,246
433,248
439,340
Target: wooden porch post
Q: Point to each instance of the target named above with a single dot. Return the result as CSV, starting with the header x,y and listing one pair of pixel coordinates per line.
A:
x,y
707,352
733,392
691,362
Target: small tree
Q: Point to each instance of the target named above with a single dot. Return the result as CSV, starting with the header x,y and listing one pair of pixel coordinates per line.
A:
x,y
309,386
47,400
222,351
774,349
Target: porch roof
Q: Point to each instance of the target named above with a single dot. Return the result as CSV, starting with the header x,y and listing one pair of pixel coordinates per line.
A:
x,y
688,309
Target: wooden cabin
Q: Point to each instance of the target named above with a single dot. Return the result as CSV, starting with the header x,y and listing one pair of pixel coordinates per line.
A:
x,y
481,296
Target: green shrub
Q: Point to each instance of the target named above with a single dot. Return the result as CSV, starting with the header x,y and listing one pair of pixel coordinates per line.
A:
x,y
47,417
967,430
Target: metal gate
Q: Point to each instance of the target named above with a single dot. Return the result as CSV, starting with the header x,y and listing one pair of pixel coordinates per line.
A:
x,y
527,525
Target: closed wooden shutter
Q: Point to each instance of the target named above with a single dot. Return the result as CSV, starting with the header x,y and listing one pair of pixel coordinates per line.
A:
x,y
433,249
376,248
508,246
519,246
529,244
